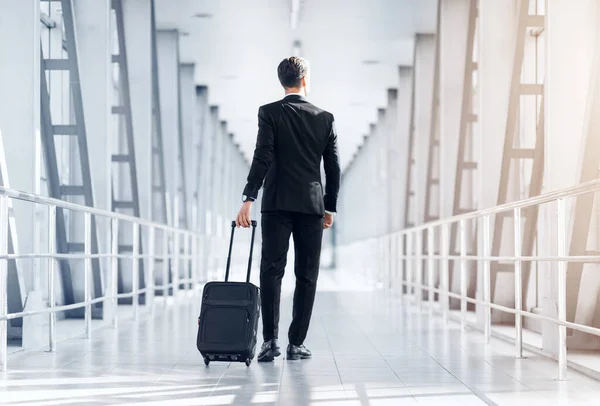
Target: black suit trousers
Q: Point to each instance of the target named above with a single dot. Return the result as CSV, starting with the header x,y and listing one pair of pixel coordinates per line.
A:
x,y
307,231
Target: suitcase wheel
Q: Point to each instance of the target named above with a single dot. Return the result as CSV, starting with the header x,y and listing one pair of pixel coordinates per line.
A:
x,y
206,361
248,362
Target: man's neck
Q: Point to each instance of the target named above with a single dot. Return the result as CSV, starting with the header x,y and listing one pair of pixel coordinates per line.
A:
x,y
297,90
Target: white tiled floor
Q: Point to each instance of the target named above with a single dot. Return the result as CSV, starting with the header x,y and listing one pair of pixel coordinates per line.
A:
x,y
368,349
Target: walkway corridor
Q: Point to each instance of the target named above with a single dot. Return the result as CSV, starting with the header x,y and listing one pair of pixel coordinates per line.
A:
x,y
368,351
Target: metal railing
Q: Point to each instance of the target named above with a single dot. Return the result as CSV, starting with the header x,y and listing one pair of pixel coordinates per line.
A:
x,y
194,245
401,256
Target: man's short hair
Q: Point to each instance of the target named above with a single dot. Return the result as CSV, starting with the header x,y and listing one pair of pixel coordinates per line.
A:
x,y
291,71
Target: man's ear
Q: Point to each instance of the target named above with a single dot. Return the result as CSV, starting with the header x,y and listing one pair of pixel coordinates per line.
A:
x,y
303,81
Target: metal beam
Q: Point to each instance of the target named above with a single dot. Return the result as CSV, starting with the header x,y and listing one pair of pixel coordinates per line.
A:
x,y
54,185
511,153
409,188
433,156
125,195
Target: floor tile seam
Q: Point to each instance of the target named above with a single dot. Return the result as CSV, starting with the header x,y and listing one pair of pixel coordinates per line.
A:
x,y
220,378
469,387
380,354
337,368
475,391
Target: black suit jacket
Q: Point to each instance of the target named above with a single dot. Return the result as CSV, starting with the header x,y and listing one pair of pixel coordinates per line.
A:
x,y
293,137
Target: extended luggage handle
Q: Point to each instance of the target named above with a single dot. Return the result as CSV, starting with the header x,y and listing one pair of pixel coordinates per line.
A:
x,y
233,226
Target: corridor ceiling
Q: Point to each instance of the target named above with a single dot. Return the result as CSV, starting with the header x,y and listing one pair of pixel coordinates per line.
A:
x,y
354,47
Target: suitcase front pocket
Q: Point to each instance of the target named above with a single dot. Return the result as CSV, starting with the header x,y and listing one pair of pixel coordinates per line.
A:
x,y
225,328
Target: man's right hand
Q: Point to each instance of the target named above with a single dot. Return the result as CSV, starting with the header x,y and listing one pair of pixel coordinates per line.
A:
x,y
327,221
243,217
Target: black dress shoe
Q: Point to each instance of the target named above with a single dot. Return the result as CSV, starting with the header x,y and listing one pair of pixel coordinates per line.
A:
x,y
298,352
269,351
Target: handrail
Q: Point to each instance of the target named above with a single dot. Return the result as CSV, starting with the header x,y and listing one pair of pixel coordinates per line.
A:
x,y
405,262
49,201
573,191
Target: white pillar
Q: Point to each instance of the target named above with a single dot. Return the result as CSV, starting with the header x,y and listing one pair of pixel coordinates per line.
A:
x,y
214,167
393,195
20,131
424,75
188,120
215,226
572,62
223,136
497,29
405,85
497,21
93,30
453,43
138,41
381,176
202,147
168,72
371,178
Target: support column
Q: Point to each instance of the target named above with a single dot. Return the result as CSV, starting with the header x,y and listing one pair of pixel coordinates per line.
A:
x,y
424,74
188,127
202,147
571,74
393,155
382,176
223,136
231,187
453,48
371,179
497,28
137,14
215,128
168,71
497,47
405,85
20,133
93,36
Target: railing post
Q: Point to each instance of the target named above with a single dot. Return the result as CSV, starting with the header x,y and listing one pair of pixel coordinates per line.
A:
x,y
445,252
51,277
202,257
562,289
176,248
176,259
385,257
187,266
419,256
430,265
390,260
207,250
487,315
135,280
401,260
151,268
166,260
114,270
518,283
463,274
3,283
410,265
87,273
195,275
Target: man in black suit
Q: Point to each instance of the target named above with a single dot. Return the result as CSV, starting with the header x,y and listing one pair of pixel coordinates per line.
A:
x,y
293,137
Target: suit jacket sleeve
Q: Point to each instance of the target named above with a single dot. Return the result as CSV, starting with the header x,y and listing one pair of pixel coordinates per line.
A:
x,y
331,163
263,154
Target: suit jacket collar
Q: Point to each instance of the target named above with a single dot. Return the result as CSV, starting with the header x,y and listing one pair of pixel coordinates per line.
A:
x,y
295,96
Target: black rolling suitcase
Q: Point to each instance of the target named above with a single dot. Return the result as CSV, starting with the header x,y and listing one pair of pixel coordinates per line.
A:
x,y
229,316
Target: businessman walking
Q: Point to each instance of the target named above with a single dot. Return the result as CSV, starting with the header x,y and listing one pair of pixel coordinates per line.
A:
x,y
293,136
